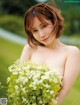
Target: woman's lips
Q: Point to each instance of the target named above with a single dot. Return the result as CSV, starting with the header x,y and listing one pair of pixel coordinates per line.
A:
x,y
45,39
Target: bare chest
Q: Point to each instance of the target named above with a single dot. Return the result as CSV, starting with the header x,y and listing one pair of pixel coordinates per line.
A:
x,y
51,58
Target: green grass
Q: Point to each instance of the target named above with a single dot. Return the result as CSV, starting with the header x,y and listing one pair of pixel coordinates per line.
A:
x,y
73,98
9,52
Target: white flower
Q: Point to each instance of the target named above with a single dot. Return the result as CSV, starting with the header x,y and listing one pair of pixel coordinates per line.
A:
x,y
33,97
15,73
23,89
21,72
35,81
40,102
16,87
47,90
51,92
8,79
24,99
34,87
21,78
17,80
43,77
25,80
47,86
21,86
30,81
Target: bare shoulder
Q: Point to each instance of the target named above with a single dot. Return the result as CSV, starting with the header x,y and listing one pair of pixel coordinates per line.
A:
x,y
73,55
73,50
27,47
26,53
72,66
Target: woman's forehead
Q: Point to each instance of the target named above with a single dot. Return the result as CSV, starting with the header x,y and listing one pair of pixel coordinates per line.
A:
x,y
39,21
42,20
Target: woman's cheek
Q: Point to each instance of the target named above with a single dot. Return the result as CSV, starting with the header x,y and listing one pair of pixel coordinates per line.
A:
x,y
36,37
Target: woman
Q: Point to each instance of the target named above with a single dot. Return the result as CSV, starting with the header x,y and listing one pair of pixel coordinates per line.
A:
x,y
43,26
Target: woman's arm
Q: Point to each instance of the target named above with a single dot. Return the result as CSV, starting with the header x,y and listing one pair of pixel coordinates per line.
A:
x,y
72,67
26,53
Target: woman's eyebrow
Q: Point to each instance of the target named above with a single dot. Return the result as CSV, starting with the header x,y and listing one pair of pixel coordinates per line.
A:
x,y
44,24
40,25
33,28
36,28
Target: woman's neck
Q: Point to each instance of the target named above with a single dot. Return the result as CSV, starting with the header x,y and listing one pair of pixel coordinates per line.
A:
x,y
56,44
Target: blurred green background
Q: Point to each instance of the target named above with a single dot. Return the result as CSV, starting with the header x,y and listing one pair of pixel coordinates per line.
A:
x,y
12,19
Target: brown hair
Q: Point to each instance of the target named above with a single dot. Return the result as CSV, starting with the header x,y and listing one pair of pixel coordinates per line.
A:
x,y
43,11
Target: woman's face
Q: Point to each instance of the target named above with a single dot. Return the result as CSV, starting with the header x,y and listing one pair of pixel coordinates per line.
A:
x,y
42,32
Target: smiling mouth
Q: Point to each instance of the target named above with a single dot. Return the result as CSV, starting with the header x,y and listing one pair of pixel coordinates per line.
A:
x,y
45,39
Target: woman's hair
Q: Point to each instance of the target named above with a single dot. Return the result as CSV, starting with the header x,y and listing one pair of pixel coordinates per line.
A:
x,y
43,11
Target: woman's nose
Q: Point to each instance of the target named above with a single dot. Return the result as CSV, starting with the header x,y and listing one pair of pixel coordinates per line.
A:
x,y
41,34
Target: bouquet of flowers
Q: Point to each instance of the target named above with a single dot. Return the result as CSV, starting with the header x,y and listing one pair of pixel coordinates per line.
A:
x,y
33,84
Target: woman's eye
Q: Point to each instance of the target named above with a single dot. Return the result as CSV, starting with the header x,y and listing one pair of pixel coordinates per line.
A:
x,y
34,31
44,26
